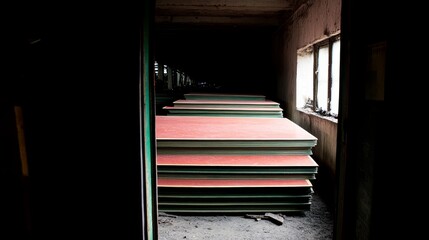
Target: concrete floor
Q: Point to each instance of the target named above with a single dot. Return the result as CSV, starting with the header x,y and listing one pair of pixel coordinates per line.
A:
x,y
314,224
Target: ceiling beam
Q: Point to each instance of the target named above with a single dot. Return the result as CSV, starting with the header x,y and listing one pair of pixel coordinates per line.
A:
x,y
213,20
272,4
221,11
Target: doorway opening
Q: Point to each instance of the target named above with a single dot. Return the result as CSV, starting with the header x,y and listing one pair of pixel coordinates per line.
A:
x,y
252,47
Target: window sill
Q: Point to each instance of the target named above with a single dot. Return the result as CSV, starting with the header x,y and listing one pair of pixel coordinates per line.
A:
x,y
311,112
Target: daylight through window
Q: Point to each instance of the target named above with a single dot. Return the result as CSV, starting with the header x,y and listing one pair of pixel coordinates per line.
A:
x,y
317,77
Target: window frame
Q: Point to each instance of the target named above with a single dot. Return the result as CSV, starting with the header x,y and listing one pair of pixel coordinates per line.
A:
x,y
314,48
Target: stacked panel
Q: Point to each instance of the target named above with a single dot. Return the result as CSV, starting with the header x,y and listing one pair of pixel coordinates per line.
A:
x,y
204,166
226,103
223,105
233,164
215,96
243,195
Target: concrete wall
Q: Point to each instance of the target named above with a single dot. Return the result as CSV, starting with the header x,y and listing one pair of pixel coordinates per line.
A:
x,y
311,22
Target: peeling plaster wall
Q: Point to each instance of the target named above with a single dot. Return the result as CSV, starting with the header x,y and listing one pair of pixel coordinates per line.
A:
x,y
312,22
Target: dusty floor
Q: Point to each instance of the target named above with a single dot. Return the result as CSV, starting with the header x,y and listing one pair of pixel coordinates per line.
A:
x,y
315,224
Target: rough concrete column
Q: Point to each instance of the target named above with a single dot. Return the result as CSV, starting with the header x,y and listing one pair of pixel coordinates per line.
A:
x,y
178,74
183,79
169,78
161,71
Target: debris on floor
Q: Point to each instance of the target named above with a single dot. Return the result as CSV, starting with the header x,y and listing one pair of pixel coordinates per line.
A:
x,y
163,214
314,224
275,218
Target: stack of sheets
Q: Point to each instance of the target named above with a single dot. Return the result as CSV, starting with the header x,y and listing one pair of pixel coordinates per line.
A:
x,y
225,105
215,96
233,164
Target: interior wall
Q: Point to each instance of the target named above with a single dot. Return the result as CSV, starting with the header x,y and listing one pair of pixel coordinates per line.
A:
x,y
310,23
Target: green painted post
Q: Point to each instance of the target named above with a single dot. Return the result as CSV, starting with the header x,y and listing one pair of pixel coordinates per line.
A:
x,y
147,137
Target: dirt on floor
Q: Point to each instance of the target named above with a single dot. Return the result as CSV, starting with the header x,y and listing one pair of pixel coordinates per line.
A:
x,y
314,224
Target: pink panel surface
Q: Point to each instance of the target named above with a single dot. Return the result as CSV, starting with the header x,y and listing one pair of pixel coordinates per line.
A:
x,y
221,95
224,109
226,102
235,160
228,128
163,182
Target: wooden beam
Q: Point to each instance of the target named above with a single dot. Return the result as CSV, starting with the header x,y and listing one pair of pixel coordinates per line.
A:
x,y
221,11
279,4
212,20
222,8
21,140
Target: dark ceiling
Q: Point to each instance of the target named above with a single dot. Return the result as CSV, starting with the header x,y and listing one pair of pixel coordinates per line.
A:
x,y
226,42
224,12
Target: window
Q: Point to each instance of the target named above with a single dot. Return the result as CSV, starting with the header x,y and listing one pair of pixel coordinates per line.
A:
x,y
317,77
